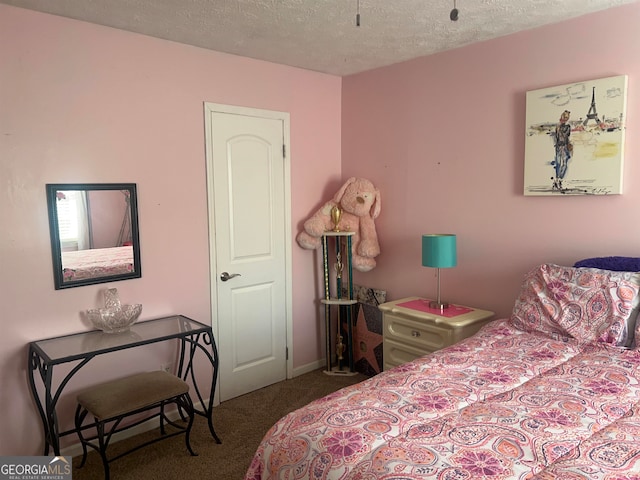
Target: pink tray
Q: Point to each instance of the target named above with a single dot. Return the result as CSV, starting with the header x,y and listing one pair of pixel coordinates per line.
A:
x,y
423,306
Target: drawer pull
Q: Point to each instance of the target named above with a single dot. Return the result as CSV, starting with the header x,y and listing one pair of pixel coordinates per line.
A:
x,y
415,333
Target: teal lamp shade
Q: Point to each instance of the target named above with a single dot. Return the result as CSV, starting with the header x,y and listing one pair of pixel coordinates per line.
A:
x,y
439,250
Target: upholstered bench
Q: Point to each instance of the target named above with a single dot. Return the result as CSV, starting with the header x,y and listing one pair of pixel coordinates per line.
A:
x,y
111,402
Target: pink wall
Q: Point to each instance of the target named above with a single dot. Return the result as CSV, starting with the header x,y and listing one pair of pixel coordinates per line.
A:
x,y
442,137
107,210
83,103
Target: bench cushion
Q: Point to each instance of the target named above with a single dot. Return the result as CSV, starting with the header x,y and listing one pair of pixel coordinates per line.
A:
x,y
118,397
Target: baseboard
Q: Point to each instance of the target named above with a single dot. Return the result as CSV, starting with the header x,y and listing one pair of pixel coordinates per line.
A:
x,y
309,367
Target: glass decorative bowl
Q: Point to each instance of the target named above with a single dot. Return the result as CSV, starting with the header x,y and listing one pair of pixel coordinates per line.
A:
x,y
115,319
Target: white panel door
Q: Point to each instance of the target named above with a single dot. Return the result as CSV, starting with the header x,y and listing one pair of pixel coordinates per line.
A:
x,y
248,197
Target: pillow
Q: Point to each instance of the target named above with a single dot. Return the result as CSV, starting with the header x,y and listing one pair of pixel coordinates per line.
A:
x,y
632,323
588,304
618,264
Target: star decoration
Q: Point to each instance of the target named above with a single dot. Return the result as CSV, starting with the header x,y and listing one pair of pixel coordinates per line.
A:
x,y
365,341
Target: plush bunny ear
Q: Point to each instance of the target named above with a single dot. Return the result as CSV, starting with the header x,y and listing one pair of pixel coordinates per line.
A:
x,y
375,208
343,188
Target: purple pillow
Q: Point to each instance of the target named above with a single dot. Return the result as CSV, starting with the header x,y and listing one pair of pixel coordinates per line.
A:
x,y
616,264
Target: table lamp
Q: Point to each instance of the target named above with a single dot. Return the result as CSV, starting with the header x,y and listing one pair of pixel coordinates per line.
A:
x,y
439,251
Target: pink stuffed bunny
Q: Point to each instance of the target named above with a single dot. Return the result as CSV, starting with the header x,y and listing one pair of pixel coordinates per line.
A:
x,y
359,201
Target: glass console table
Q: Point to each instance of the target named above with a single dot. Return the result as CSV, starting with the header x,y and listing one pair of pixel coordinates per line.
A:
x,y
45,354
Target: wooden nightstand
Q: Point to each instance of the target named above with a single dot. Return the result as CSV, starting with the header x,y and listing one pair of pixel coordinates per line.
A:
x,y
411,329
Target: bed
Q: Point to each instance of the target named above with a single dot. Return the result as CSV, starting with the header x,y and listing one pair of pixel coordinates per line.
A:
x,y
100,262
553,392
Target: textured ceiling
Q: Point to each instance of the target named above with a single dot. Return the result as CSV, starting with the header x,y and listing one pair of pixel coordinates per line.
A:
x,y
322,35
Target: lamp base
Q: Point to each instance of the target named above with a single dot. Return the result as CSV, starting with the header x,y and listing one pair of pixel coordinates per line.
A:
x,y
438,305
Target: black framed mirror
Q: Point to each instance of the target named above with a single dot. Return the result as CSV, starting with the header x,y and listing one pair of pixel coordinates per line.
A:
x,y
94,233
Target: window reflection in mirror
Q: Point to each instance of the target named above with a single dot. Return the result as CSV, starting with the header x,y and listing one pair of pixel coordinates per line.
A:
x,y
94,233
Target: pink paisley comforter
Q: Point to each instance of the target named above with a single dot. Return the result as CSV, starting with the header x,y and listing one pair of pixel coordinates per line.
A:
x,y
99,262
503,404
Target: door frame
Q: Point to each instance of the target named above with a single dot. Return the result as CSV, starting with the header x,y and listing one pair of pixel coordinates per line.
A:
x,y
209,109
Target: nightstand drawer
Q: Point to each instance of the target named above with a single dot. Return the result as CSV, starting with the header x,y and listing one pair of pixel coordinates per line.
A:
x,y
420,334
395,353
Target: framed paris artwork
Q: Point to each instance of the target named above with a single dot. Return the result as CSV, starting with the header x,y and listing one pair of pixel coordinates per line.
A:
x,y
574,143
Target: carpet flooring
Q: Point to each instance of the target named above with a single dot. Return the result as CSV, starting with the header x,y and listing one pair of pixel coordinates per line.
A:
x,y
241,423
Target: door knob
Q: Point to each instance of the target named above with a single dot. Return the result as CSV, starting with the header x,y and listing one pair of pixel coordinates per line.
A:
x,y
224,276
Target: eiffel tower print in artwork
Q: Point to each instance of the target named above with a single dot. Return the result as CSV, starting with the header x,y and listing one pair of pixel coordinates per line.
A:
x,y
592,114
